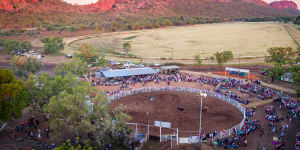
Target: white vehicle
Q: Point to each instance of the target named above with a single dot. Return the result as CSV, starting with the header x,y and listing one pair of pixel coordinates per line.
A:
x,y
140,66
114,62
128,65
156,64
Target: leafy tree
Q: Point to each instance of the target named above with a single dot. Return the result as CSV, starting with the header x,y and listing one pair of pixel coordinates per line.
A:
x,y
53,45
74,113
41,88
22,66
212,58
295,70
223,57
13,96
276,72
198,60
73,28
26,46
280,55
126,47
76,67
12,46
79,145
2,42
87,53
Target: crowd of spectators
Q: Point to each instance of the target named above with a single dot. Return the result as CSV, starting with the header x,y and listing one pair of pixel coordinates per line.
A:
x,y
225,86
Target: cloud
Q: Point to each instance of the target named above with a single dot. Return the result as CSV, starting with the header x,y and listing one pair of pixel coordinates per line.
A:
x,y
296,1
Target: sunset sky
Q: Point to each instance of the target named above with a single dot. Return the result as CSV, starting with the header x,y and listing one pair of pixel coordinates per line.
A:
x,y
82,2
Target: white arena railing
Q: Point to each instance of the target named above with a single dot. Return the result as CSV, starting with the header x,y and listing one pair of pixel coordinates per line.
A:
x,y
222,134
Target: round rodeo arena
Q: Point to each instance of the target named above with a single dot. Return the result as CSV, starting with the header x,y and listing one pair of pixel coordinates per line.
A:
x,y
181,110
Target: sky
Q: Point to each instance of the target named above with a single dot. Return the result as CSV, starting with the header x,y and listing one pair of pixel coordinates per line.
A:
x,y
83,2
296,1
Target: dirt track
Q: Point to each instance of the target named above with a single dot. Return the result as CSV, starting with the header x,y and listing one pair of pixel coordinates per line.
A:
x,y
164,108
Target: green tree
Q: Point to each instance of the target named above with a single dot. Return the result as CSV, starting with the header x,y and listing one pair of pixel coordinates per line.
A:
x,y
76,67
223,57
198,60
126,47
13,96
41,88
73,113
12,46
212,58
73,28
26,46
87,53
280,55
295,70
53,45
2,42
276,72
22,66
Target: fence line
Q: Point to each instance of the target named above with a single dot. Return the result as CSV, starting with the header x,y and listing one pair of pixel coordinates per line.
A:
x,y
222,134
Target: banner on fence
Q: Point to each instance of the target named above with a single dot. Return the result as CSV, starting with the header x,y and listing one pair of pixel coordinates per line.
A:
x,y
194,139
162,124
184,140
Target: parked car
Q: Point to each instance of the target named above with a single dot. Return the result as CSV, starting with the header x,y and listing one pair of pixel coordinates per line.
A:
x,y
140,66
263,73
69,55
156,64
128,65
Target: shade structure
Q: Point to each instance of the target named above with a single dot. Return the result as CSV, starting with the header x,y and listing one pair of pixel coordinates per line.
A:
x,y
170,67
128,72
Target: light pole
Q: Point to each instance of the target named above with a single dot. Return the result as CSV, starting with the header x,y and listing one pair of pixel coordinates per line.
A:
x,y
201,95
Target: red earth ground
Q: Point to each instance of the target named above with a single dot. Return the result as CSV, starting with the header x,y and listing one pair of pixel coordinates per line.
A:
x,y
216,113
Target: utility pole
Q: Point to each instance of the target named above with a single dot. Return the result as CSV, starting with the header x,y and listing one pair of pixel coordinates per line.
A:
x,y
202,95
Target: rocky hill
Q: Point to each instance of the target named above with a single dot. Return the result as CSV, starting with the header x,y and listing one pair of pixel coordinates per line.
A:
x,y
284,5
105,5
36,12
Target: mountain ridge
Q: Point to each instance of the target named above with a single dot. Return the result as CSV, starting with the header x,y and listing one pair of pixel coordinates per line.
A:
x,y
105,5
36,12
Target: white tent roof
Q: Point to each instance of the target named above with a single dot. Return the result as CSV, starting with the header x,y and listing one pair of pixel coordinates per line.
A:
x,y
237,70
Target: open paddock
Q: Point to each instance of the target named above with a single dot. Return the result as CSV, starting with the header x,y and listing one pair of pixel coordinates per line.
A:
x,y
243,39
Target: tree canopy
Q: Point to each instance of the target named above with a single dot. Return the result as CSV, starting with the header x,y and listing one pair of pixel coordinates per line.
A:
x,y
13,96
276,72
126,47
76,67
22,66
74,113
41,88
198,60
223,57
53,45
295,70
87,53
280,55
13,46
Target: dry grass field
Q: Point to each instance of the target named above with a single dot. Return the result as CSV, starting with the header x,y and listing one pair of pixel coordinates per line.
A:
x,y
243,39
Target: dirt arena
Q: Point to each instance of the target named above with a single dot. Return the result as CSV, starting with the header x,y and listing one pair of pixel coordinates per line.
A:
x,y
217,115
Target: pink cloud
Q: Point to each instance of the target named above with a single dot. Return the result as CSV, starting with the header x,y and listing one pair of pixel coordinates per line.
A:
x,y
296,1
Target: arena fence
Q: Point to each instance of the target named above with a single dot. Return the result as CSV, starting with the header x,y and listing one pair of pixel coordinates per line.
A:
x,y
195,139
